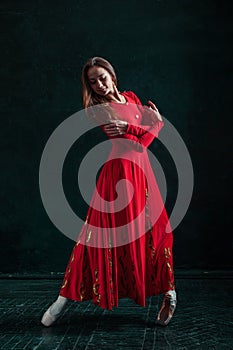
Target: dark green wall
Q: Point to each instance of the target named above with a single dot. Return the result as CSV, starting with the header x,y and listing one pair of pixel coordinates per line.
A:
x,y
176,53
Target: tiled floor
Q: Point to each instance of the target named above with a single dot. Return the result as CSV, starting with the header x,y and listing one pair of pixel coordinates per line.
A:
x,y
203,319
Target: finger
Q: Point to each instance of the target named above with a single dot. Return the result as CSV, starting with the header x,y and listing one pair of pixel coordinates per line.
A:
x,y
112,133
111,130
109,127
121,127
147,108
152,105
122,123
110,124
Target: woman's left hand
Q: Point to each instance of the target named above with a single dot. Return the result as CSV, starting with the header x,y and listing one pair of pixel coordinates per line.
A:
x,y
116,127
155,110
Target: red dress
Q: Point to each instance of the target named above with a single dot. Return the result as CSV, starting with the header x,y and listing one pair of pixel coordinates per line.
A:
x,y
123,251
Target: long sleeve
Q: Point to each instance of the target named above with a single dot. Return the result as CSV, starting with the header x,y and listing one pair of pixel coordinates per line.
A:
x,y
144,133
139,136
133,140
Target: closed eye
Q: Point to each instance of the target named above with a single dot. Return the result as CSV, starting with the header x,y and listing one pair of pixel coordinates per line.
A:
x,y
101,78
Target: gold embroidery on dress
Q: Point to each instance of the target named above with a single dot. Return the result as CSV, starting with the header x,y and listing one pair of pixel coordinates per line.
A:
x,y
169,266
96,288
69,266
89,236
96,285
82,291
167,252
85,223
171,285
64,284
147,195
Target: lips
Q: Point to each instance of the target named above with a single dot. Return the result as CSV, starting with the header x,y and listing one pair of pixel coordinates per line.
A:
x,y
101,90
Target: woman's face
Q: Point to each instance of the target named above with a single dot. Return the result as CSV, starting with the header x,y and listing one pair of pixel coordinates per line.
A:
x,y
100,80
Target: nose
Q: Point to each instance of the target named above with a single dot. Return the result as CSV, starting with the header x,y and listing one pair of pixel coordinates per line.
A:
x,y
99,83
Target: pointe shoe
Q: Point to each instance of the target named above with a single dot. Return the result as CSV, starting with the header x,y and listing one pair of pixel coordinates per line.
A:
x,y
48,319
167,309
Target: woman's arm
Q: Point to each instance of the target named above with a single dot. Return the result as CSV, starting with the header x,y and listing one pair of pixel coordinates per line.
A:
x,y
152,122
144,133
133,140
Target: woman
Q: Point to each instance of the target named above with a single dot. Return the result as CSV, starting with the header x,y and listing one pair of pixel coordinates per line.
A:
x,y
123,249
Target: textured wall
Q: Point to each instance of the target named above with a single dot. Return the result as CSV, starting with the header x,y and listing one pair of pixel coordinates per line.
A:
x,y
176,53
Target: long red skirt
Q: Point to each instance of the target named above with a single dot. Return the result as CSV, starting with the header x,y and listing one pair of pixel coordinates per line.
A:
x,y
113,258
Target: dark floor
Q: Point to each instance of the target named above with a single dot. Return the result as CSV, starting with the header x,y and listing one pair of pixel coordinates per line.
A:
x,y
203,319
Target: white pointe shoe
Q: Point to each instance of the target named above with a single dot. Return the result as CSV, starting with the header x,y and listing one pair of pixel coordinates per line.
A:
x,y
167,309
51,316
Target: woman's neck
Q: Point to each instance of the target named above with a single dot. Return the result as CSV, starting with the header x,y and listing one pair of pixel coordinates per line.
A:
x,y
117,97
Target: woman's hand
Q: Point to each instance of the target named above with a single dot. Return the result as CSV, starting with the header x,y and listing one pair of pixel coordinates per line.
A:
x,y
152,107
116,127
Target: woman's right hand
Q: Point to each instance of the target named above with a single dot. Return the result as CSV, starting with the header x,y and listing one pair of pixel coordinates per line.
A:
x,y
115,127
